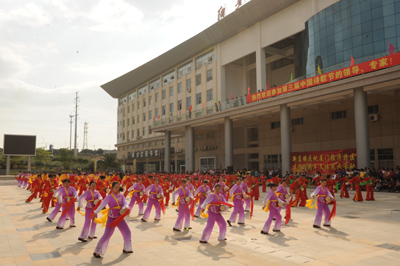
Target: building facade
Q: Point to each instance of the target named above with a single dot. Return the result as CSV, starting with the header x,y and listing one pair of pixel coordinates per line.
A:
x,y
187,109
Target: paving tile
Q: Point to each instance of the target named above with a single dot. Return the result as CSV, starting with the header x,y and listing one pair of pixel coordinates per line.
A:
x,y
45,256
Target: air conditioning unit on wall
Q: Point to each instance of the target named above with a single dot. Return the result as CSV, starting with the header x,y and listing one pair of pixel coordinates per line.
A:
x,y
373,117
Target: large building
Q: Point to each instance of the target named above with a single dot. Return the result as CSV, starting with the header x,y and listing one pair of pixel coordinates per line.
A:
x,y
188,109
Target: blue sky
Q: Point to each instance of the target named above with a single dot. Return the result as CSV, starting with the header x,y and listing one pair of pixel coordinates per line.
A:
x,y
51,49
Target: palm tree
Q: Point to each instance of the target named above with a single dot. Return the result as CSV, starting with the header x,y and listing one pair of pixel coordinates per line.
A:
x,y
109,160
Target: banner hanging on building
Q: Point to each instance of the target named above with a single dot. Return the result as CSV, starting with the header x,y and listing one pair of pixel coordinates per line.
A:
x,y
325,162
351,71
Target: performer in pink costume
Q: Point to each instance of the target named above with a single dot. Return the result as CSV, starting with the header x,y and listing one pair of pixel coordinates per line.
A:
x,y
67,194
184,196
204,191
270,203
57,208
237,194
116,201
282,192
214,215
138,190
155,194
224,187
91,196
321,193
245,189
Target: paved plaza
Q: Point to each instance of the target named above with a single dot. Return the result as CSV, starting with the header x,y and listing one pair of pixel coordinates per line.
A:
x,y
364,233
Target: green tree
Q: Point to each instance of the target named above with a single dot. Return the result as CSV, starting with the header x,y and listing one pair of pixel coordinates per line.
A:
x,y
66,158
42,157
109,160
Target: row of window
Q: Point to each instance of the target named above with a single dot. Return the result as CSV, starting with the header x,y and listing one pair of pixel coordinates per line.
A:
x,y
199,100
372,109
186,69
210,135
149,144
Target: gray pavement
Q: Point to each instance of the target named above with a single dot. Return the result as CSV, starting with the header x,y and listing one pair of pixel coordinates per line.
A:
x,y
364,233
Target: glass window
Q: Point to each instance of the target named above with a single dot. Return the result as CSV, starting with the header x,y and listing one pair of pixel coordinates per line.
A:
x,y
171,91
185,69
377,24
198,79
188,83
179,87
150,100
144,132
164,94
150,115
209,74
138,119
188,101
368,49
297,121
205,59
144,117
163,110
373,109
275,125
150,131
169,77
338,115
155,84
144,102
198,98
209,95
157,97
385,154
156,113
390,32
171,108
179,105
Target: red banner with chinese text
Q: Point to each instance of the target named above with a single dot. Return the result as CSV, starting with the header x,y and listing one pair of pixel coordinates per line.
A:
x,y
351,71
326,162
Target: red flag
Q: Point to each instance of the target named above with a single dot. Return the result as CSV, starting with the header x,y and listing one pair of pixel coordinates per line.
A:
x,y
268,85
333,212
231,95
203,104
288,211
180,111
95,207
68,206
162,205
352,61
190,108
251,208
116,222
158,116
248,91
154,118
391,49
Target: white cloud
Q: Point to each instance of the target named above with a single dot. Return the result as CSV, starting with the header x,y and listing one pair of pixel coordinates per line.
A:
x,y
115,15
30,15
12,64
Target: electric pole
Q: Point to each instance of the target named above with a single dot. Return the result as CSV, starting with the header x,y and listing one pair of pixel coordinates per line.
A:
x,y
70,131
76,125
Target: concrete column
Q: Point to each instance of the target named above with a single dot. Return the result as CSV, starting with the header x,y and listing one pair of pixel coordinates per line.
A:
x,y
29,163
167,154
221,87
362,128
189,148
8,166
228,142
261,71
286,141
